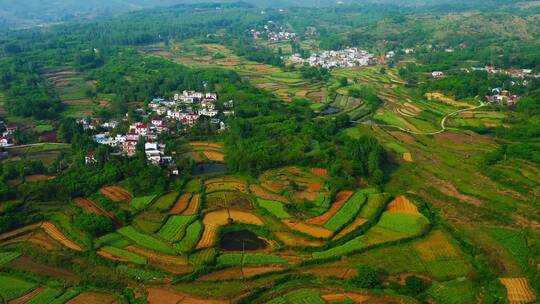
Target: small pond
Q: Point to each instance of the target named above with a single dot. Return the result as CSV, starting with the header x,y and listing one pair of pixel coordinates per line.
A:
x,y
241,240
330,110
208,168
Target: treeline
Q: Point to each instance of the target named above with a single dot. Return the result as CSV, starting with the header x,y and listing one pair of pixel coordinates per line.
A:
x,y
26,92
475,84
284,135
131,76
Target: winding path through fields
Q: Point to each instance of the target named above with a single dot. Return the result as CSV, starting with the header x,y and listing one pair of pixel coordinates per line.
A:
x,y
443,122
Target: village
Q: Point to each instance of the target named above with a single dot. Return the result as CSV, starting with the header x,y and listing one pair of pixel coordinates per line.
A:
x,y
7,137
273,33
180,113
346,58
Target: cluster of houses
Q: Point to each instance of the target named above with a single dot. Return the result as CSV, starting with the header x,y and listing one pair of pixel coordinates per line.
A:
x,y
188,106
515,73
7,138
273,33
502,97
184,109
347,58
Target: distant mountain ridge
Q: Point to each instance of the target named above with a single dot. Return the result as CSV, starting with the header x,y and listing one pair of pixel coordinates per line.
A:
x,y
26,13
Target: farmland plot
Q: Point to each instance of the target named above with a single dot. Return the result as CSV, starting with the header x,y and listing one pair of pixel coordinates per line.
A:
x,y
164,202
11,288
142,202
175,227
181,204
391,227
116,194
274,207
191,237
347,212
215,219
146,241
124,255
518,290
239,259
341,198
6,257
46,296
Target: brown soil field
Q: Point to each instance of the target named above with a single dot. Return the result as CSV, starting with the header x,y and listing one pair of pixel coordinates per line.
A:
x,y
205,144
214,156
37,238
91,207
242,187
227,199
170,296
156,257
436,246
341,198
59,236
334,272
77,102
38,177
236,273
315,231
225,179
362,298
258,191
519,290
116,194
401,204
407,156
193,206
111,256
320,172
25,263
181,204
212,220
197,156
290,239
27,297
445,99
93,298
357,223
18,231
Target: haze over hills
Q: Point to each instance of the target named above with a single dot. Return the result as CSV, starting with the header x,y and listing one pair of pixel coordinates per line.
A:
x,y
27,13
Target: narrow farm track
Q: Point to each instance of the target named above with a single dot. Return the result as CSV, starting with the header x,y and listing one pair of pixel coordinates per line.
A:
x,y
443,122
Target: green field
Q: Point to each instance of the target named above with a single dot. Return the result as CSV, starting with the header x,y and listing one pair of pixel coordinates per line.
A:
x,y
453,292
142,202
347,212
68,295
6,257
302,296
112,239
145,240
165,202
175,227
203,257
139,274
391,227
11,288
238,259
275,208
132,257
191,238
46,296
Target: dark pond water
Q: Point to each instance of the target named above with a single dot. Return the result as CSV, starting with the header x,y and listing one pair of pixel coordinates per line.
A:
x,y
241,240
330,110
201,169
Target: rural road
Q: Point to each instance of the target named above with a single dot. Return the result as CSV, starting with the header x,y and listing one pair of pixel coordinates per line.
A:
x,y
443,122
33,145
